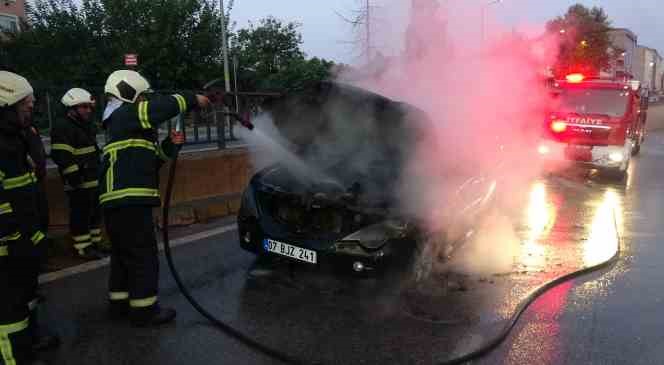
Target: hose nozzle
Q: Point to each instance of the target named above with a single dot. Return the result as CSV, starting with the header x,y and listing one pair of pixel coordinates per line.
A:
x,y
243,119
247,124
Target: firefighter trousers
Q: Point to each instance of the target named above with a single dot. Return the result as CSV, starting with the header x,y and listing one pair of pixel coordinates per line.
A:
x,y
18,282
134,258
84,217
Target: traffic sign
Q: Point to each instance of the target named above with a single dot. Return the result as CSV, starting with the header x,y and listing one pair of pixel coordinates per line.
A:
x,y
131,59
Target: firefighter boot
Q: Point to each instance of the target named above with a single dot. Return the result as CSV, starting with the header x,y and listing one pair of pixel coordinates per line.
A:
x,y
152,316
90,253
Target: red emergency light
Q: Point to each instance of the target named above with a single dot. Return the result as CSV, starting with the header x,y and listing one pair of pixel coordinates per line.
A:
x,y
558,126
575,78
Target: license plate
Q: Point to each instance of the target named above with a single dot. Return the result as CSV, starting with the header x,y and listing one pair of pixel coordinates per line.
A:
x,y
579,153
294,252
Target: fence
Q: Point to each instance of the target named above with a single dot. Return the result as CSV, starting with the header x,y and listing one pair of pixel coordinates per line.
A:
x,y
201,127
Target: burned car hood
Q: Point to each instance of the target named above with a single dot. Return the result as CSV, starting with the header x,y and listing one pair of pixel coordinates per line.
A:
x,y
351,147
353,144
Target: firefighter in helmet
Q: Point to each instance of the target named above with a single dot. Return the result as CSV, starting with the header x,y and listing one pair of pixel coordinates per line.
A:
x,y
20,234
74,149
129,190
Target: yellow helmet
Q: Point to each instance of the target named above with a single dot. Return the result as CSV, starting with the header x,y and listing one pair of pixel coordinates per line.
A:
x,y
13,88
126,85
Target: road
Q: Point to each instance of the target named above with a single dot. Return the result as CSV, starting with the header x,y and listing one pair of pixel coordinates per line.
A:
x,y
610,316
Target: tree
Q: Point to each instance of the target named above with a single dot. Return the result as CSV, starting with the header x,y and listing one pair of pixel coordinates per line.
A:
x,y
585,42
271,58
80,42
68,43
361,20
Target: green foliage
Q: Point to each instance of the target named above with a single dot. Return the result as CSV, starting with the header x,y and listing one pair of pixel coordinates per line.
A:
x,y
72,42
272,59
69,43
585,40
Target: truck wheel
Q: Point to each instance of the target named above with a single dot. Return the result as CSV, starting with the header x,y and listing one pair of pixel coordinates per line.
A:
x,y
637,148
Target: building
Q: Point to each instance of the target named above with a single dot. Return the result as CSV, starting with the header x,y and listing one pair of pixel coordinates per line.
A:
x,y
624,43
11,13
649,68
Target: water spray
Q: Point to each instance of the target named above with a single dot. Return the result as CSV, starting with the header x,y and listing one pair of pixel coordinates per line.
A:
x,y
230,331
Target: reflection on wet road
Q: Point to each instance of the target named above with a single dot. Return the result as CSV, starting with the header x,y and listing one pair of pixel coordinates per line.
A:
x,y
613,316
564,223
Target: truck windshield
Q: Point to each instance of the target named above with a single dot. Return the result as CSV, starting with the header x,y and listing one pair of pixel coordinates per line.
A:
x,y
594,101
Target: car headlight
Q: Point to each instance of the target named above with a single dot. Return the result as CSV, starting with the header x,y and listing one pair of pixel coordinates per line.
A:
x,y
377,235
349,248
616,157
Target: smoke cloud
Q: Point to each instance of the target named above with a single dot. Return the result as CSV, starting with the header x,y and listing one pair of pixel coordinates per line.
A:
x,y
486,100
480,102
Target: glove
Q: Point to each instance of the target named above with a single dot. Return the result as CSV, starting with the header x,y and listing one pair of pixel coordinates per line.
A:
x,y
177,138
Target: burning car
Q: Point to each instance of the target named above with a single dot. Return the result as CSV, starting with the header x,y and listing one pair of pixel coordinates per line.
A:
x,y
341,205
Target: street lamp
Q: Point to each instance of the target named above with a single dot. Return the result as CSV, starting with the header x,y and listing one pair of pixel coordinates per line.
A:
x,y
484,7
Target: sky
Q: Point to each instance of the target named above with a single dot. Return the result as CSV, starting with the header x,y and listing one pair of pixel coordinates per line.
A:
x,y
326,35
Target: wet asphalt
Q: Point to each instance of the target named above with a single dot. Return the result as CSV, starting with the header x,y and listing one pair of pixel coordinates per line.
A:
x,y
613,316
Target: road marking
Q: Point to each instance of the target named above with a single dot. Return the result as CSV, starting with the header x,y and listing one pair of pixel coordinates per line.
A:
x,y
94,265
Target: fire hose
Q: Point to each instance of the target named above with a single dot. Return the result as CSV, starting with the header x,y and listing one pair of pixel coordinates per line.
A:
x,y
232,332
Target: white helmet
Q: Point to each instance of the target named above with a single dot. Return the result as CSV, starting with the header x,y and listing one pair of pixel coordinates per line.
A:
x,y
13,88
77,96
126,85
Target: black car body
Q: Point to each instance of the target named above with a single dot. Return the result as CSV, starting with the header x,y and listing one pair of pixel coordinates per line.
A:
x,y
346,212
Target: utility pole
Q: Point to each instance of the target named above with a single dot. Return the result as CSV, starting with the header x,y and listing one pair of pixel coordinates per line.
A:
x,y
483,20
221,135
368,30
654,64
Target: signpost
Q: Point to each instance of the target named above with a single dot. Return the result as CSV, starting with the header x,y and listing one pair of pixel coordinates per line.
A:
x,y
131,59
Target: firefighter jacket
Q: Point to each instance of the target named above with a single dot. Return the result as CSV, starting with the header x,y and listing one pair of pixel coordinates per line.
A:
x,y
74,149
133,155
19,212
36,152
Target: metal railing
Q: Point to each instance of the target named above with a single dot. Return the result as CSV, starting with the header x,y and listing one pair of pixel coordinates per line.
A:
x,y
201,127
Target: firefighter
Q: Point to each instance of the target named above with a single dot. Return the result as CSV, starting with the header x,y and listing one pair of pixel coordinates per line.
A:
x,y
129,187
20,235
37,158
74,149
43,338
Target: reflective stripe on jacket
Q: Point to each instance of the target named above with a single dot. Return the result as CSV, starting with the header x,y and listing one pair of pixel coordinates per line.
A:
x,y
74,149
133,156
19,208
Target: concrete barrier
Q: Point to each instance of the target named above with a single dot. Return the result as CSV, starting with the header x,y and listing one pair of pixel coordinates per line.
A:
x,y
208,185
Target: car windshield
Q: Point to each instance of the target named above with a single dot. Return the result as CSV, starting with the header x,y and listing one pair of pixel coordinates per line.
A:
x,y
594,101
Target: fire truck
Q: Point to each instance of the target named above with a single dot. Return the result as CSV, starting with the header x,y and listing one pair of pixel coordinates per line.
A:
x,y
597,123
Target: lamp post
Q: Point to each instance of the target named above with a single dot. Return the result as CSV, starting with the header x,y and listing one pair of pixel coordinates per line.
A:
x,y
653,65
221,134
